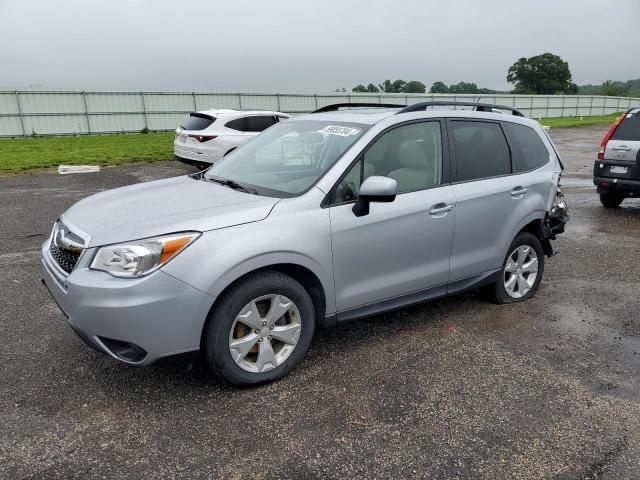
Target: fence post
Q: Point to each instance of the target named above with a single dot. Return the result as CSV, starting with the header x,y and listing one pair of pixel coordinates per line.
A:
x,y
86,110
239,101
24,132
144,111
531,107
278,100
193,98
591,106
548,98
315,95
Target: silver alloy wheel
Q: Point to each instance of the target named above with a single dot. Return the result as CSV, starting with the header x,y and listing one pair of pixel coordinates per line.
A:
x,y
520,271
265,333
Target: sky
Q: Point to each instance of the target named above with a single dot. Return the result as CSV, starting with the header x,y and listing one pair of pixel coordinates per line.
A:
x,y
306,46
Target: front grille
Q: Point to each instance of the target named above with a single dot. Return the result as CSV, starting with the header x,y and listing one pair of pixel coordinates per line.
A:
x,y
66,259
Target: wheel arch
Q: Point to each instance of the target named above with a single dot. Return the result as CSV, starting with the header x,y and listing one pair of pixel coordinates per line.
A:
x,y
534,224
302,274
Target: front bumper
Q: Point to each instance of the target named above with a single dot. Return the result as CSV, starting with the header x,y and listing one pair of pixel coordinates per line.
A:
x,y
136,321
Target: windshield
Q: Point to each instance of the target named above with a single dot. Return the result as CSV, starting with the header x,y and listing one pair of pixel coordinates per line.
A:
x,y
289,157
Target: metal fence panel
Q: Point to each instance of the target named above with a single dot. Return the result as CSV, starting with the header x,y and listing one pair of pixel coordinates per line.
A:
x,y
55,124
8,103
25,113
10,126
169,102
117,123
164,121
206,101
114,102
51,102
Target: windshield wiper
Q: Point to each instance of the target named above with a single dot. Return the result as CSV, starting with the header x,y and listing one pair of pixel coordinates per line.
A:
x,y
231,184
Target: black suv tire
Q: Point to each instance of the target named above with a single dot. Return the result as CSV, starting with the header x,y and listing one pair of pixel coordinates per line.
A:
x,y
611,200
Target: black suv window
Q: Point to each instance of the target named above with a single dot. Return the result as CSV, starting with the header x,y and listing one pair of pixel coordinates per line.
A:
x,y
197,121
259,123
629,129
528,152
481,150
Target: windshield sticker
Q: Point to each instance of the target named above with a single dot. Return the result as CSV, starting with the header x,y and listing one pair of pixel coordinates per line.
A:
x,y
341,131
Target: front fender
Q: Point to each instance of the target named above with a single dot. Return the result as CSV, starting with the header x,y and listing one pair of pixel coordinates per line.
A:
x,y
220,257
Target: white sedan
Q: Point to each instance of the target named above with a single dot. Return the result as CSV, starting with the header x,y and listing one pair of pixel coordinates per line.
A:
x,y
205,137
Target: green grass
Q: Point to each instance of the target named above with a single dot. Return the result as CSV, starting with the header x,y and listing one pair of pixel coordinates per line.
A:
x,y
578,122
22,154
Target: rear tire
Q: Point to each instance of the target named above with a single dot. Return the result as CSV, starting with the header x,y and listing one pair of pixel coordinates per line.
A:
x,y
611,200
241,338
521,272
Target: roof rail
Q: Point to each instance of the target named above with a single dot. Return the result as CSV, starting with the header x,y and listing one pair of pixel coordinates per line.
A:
x,y
336,106
479,107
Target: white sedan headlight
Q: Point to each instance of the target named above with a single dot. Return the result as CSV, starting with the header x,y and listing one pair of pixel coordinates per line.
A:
x,y
139,258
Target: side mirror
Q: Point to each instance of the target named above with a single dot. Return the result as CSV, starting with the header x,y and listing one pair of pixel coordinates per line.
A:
x,y
374,189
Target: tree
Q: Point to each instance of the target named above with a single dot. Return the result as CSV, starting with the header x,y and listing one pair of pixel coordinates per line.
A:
x,y
543,74
439,87
463,87
371,88
397,86
414,86
613,89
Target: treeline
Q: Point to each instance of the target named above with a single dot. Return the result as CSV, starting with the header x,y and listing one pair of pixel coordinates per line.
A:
x,y
415,86
545,74
612,88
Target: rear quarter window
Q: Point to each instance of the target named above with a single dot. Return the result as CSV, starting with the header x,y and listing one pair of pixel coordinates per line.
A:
x,y
259,123
629,129
197,121
238,124
528,151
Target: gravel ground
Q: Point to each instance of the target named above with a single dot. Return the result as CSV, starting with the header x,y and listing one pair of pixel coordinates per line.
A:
x,y
457,388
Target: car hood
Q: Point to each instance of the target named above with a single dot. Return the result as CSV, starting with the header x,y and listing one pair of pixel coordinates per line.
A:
x,y
164,206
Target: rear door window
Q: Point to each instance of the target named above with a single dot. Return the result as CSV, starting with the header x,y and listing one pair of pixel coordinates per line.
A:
x,y
528,152
197,121
629,129
481,150
259,123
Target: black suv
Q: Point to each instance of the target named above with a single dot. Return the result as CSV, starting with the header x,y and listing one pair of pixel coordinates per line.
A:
x,y
616,173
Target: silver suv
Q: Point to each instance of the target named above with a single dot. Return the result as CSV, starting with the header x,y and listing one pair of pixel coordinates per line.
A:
x,y
327,217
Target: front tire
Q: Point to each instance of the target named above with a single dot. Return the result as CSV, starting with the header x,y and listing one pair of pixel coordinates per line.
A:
x,y
611,200
260,329
521,272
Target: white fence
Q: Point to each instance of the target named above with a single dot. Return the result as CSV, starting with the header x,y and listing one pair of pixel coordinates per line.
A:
x,y
26,113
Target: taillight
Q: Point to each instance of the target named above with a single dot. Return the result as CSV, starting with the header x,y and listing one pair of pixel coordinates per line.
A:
x,y
203,138
607,137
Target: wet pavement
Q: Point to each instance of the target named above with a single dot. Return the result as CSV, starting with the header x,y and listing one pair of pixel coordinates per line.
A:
x,y
458,388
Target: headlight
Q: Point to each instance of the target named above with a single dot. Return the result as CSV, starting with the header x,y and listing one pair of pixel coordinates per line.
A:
x,y
139,258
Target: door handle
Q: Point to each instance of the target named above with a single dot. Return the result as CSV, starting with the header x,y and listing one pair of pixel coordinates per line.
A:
x,y
622,148
440,208
518,192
